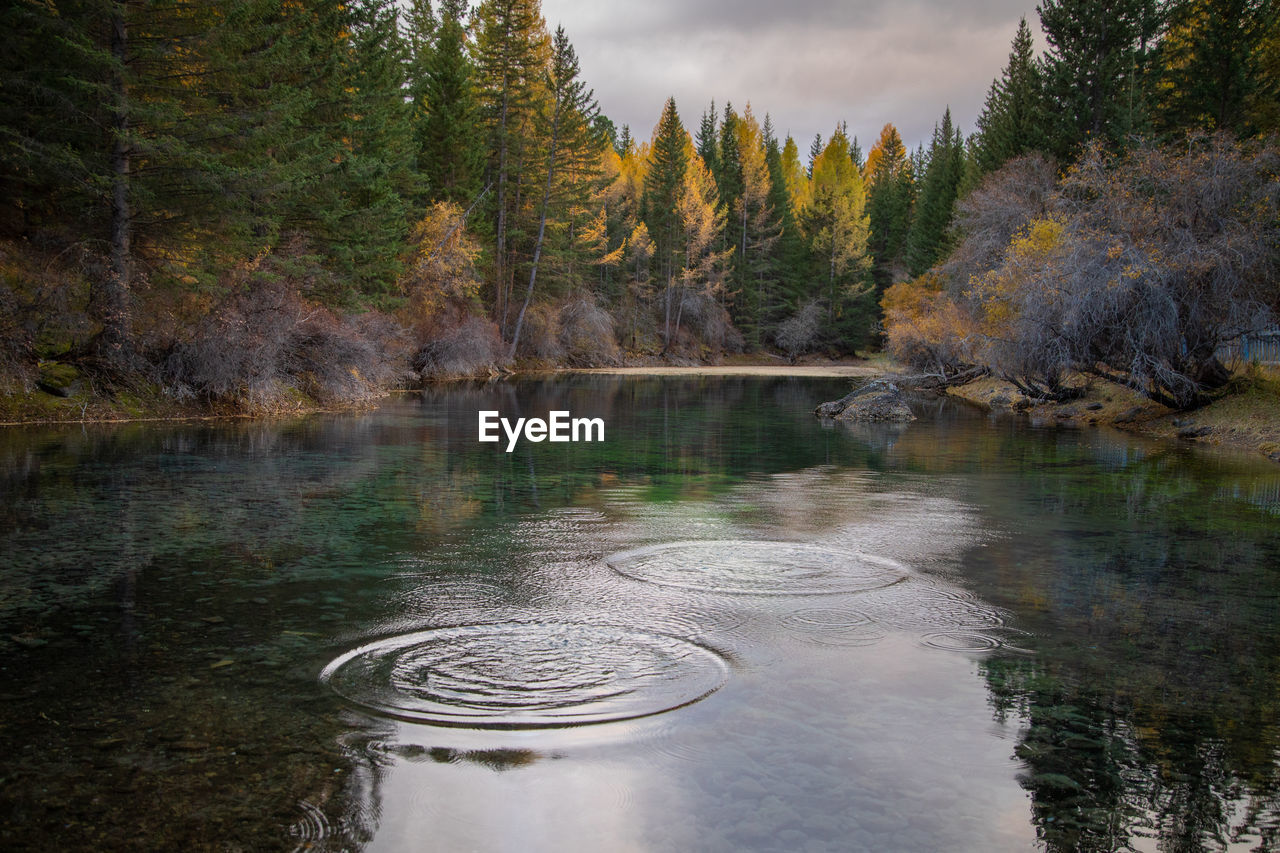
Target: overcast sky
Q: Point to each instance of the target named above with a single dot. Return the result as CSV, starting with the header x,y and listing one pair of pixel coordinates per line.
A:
x,y
808,63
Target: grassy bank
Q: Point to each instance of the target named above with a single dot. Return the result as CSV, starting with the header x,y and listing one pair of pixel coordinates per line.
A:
x,y
95,402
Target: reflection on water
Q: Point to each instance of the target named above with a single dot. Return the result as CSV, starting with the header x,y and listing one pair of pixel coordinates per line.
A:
x,y
367,631
526,675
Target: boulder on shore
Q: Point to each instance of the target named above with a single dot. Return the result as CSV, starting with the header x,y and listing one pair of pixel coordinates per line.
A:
x,y
878,400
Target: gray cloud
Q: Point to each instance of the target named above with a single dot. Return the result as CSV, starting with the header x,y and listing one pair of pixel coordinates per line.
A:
x,y
808,63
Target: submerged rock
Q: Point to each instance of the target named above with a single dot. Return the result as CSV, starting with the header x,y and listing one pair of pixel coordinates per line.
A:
x,y
878,400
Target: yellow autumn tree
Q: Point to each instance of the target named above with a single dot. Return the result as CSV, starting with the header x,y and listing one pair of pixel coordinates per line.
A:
x,y
755,227
702,222
926,327
440,273
837,227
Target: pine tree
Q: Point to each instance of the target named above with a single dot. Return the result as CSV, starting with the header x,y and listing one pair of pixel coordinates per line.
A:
x,y
53,116
511,52
606,130
449,142
1095,71
1012,119
103,108
855,154
890,197
1208,64
789,252
756,227
343,183
668,163
935,205
728,176
815,150
381,174
572,151
707,143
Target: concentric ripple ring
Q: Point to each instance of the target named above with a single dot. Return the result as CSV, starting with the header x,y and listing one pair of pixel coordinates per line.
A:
x,y
744,567
526,675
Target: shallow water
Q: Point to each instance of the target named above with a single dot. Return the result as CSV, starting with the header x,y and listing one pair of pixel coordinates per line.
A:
x,y
726,627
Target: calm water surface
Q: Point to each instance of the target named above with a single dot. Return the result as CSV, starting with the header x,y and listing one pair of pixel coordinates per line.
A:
x,y
727,627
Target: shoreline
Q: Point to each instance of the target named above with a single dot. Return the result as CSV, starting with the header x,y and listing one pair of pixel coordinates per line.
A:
x,y
821,371
1246,419
36,407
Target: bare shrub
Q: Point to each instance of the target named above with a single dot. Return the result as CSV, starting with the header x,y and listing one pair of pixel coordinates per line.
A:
x,y
997,209
1136,268
1176,250
799,333
1021,339
263,343
335,359
927,328
470,347
700,322
1155,259
587,334
540,337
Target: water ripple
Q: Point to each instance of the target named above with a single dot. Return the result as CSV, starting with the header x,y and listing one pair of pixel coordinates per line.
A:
x,y
526,675
745,567
831,626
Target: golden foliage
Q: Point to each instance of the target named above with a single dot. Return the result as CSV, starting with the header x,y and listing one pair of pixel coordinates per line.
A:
x,y
925,326
1030,256
441,271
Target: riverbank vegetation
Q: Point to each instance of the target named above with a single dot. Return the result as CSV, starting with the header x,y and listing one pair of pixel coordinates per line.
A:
x,y
1128,234
254,206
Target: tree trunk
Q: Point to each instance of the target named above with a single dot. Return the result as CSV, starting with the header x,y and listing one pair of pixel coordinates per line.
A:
x,y
112,298
499,255
542,231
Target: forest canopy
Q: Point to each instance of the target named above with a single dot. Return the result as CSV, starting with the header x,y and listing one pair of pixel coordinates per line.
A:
x,y
236,200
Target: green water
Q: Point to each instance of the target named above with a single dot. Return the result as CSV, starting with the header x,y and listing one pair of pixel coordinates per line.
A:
x,y
726,627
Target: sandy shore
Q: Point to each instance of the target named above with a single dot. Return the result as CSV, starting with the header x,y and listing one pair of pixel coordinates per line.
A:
x,y
819,370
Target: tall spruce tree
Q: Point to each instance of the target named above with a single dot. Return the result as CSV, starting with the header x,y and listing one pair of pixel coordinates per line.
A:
x,y
815,150
890,196
1012,120
573,148
375,175
755,225
728,175
855,154
1095,70
927,240
511,53
1208,67
108,126
707,141
450,152
668,162
789,251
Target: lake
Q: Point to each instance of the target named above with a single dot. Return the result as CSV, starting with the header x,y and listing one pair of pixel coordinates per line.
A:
x,y
728,626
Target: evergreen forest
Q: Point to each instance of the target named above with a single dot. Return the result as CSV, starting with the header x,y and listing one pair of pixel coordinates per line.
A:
x,y
244,203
